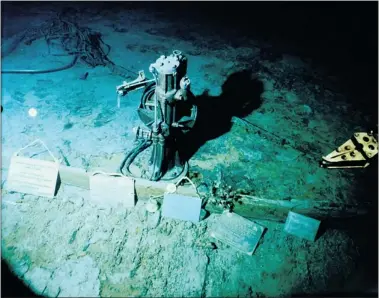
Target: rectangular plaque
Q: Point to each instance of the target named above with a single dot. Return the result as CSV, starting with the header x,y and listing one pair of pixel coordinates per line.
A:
x,y
181,207
237,232
112,191
301,226
33,176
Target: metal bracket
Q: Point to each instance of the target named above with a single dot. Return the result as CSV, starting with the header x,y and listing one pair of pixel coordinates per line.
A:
x,y
138,83
142,133
354,153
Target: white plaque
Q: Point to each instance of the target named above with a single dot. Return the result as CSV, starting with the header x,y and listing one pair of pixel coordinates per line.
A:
x,y
33,176
302,226
237,232
181,207
112,191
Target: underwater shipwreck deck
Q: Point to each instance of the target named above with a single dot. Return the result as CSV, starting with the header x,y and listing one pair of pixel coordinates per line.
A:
x,y
269,118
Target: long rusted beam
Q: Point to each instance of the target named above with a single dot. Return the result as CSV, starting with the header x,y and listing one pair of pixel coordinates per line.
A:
x,y
277,210
249,206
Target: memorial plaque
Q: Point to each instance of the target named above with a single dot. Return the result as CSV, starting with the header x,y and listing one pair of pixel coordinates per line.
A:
x,y
112,191
237,232
181,207
33,176
301,226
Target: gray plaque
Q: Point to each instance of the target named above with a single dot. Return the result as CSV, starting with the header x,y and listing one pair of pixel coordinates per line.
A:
x,y
301,226
237,232
181,207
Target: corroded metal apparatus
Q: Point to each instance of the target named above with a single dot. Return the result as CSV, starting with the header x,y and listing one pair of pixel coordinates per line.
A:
x,y
168,112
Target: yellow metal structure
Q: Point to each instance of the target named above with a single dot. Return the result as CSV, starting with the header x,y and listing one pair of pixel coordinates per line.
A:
x,y
354,153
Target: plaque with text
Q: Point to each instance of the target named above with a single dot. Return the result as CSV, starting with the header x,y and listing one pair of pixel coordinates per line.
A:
x,y
33,176
237,231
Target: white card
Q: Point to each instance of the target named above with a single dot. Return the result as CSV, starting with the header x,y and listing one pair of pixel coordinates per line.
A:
x,y
112,191
33,176
181,207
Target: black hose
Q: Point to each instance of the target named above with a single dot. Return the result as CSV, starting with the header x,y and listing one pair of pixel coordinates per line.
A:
x,y
129,158
36,71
